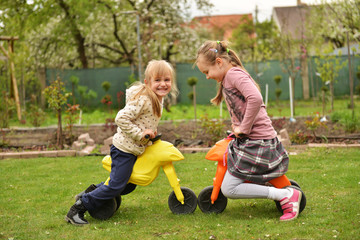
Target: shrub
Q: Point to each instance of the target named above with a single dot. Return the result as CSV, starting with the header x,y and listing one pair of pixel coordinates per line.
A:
x,y
70,119
36,115
314,124
299,137
279,124
350,123
7,106
214,127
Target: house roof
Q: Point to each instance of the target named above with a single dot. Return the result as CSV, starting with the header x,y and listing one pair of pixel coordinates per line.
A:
x,y
225,22
291,20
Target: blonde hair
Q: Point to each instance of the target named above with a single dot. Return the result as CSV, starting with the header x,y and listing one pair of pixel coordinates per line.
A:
x,y
154,69
209,51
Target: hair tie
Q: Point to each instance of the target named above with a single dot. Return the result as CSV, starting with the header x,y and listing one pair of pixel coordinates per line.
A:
x,y
214,50
227,50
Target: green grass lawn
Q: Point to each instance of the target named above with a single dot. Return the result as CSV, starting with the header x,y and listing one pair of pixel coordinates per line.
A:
x,y
180,112
37,193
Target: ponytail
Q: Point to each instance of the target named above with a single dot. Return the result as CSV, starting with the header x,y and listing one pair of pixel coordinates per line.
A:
x,y
211,50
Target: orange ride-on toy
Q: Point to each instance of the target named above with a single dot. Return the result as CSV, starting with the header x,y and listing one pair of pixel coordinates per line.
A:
x,y
160,154
211,199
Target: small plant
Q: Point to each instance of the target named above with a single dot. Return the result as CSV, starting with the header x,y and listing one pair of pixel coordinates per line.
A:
x,y
6,107
357,88
36,115
191,96
350,123
106,86
74,83
3,141
192,81
119,97
86,94
106,100
131,80
215,128
324,90
299,137
314,124
56,98
110,124
279,123
278,90
70,119
336,116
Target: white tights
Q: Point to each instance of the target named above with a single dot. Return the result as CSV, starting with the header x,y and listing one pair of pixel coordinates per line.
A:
x,y
235,188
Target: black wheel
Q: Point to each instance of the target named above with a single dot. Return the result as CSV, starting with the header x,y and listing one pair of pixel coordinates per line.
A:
x,y
190,202
130,187
294,183
106,211
204,201
302,203
118,202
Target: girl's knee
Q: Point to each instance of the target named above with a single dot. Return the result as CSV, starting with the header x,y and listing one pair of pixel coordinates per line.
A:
x,y
227,191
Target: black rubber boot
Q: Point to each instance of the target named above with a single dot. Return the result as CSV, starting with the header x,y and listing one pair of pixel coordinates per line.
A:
x,y
76,214
91,188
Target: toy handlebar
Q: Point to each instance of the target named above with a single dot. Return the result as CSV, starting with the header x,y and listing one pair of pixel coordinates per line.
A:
x,y
157,137
230,134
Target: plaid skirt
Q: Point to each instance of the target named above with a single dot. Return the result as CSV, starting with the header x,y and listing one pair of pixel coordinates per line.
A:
x,y
257,161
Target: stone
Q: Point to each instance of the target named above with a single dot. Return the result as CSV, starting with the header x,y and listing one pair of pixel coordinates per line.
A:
x,y
108,141
284,134
12,155
90,142
32,154
78,146
66,153
105,150
48,153
84,137
88,149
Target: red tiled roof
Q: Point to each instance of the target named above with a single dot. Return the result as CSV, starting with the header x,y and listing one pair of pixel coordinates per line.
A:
x,y
226,22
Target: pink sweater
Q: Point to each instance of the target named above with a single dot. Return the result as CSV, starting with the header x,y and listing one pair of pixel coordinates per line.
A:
x,y
246,106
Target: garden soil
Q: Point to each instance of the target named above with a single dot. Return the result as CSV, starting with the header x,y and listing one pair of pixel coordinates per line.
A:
x,y
189,133
205,134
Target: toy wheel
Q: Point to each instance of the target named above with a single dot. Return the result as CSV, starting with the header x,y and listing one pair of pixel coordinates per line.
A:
x,y
302,203
118,202
190,202
106,211
204,201
294,183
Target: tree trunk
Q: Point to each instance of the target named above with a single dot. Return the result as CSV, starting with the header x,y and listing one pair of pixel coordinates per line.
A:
x,y
80,40
194,102
323,102
305,78
59,131
351,80
331,86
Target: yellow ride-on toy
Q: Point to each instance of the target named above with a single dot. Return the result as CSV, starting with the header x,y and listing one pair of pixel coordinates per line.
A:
x,y
160,154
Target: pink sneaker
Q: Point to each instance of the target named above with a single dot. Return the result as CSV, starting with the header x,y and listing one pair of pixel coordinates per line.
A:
x,y
291,207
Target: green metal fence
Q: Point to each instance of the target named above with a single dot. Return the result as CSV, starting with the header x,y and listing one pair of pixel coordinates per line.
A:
x,y
205,88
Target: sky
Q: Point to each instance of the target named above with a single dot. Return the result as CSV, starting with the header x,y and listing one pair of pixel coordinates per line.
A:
x,y
224,7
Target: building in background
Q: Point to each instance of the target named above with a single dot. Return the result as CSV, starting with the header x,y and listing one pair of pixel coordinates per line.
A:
x,y
220,26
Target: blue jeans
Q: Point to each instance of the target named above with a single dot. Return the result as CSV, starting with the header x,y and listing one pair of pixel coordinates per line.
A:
x,y
121,169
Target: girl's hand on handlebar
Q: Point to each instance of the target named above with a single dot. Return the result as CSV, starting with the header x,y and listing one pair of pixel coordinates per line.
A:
x,y
236,131
148,134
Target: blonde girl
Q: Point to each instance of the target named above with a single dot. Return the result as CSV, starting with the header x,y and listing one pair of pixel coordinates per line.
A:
x,y
139,117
